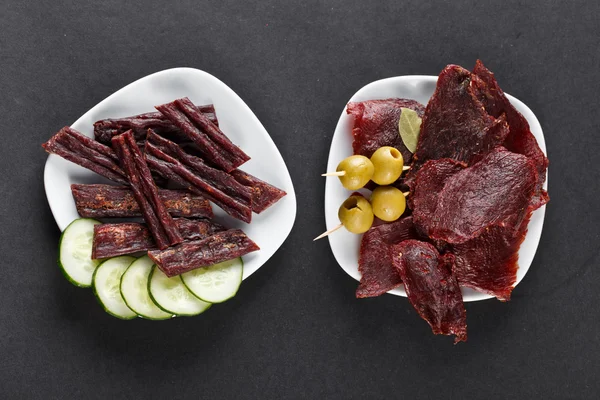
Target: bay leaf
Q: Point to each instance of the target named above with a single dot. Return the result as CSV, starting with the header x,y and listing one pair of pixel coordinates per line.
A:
x,y
409,128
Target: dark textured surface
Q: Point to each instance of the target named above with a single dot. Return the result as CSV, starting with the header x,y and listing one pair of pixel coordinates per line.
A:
x,y
295,329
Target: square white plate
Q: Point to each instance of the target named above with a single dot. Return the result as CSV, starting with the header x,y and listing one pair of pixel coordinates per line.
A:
x,y
269,229
345,245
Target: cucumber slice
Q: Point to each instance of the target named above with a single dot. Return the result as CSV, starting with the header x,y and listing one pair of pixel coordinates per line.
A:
x,y
216,283
171,295
75,252
106,282
134,289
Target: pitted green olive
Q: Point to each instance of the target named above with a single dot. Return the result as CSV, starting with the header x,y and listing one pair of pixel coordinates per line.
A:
x,y
358,171
388,164
388,203
356,214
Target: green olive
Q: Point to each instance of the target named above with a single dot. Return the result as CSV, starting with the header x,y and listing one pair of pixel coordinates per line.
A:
x,y
388,163
388,203
358,171
356,214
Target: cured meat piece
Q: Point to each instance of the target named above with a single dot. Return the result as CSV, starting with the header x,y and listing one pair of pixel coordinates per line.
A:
x,y
455,124
489,262
495,191
520,139
264,195
170,161
378,274
431,288
104,201
215,147
376,125
111,240
429,182
161,224
105,129
221,246
81,150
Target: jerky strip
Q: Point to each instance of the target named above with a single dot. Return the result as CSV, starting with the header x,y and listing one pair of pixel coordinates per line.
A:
x,y
105,201
112,240
214,146
264,195
217,248
159,221
81,150
170,161
431,288
105,129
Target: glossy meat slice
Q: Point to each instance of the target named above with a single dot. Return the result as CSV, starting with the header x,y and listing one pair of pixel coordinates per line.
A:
x,y
431,288
221,246
170,161
378,274
497,190
161,224
105,201
520,139
111,240
81,150
489,262
429,182
264,195
376,125
215,147
455,124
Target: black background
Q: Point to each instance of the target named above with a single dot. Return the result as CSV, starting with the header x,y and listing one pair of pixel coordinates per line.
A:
x,y
295,329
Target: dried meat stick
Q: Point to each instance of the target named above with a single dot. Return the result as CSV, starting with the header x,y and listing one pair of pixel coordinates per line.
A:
x,y
170,161
264,195
224,156
81,150
112,240
105,129
217,248
159,221
105,201
213,131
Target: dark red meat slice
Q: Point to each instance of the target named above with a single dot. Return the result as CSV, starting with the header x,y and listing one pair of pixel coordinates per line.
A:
x,y
171,162
112,240
264,195
221,246
520,139
215,147
488,263
105,129
376,125
161,224
81,150
431,288
455,124
104,201
495,191
429,182
378,274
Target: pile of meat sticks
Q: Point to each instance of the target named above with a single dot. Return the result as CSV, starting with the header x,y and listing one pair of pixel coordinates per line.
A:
x,y
181,145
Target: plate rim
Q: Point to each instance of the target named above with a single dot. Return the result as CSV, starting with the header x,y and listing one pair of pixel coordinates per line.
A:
x,y
540,213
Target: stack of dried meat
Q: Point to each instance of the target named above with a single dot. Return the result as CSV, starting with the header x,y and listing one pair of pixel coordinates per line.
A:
x,y
180,144
475,178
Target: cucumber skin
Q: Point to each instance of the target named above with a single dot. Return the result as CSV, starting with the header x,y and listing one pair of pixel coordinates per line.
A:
x,y
217,302
151,298
167,311
62,268
100,301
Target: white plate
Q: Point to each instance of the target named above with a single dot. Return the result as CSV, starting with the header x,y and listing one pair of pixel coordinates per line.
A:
x,y
269,229
344,244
